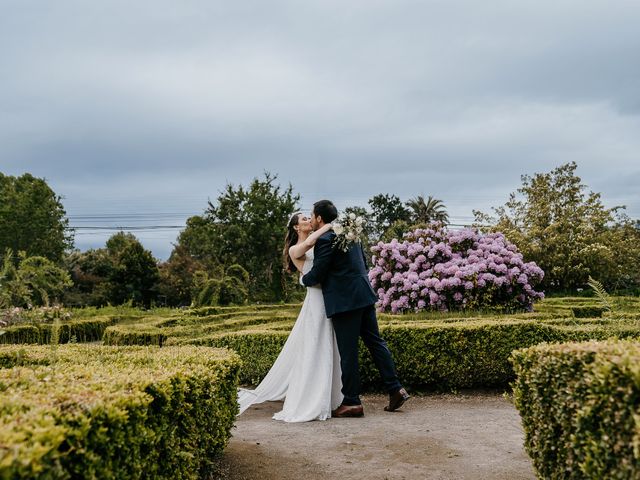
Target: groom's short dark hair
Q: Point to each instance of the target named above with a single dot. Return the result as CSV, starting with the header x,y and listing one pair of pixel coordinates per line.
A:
x,y
326,210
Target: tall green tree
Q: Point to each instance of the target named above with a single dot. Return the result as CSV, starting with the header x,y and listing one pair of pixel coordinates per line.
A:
x,y
427,210
556,222
122,271
246,226
387,210
32,218
135,271
177,277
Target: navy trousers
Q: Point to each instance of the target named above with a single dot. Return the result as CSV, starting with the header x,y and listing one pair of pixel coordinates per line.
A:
x,y
350,326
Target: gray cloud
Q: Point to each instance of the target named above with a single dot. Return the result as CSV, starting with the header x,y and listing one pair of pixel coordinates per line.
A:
x,y
154,106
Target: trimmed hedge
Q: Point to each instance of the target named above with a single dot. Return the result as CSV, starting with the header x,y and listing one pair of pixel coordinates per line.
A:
x,y
83,330
114,412
580,408
134,335
217,310
258,351
588,312
435,355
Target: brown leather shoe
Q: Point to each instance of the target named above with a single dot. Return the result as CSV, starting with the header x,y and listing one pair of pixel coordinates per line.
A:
x,y
344,411
396,400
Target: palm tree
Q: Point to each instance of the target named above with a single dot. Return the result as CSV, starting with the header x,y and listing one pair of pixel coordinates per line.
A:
x,y
427,211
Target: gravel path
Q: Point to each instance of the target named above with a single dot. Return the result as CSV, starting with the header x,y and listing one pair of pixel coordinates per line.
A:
x,y
462,436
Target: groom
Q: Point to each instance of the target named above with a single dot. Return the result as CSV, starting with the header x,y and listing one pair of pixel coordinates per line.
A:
x,y
349,301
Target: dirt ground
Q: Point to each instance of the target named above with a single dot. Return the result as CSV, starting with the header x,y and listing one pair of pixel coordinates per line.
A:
x,y
462,436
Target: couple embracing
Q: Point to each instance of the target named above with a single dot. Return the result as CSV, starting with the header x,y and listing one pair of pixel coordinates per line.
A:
x,y
316,373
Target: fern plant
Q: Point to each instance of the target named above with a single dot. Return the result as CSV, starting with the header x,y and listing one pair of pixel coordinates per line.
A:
x,y
601,294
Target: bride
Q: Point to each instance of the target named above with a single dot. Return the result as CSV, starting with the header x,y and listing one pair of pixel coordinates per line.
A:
x,y
307,371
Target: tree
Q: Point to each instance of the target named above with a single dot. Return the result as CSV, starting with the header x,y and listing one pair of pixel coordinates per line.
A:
x,y
564,228
135,271
396,230
427,211
618,267
122,271
387,210
32,218
177,276
35,281
245,226
90,272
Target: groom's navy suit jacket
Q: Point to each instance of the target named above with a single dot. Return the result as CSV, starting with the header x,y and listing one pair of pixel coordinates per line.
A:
x,y
343,276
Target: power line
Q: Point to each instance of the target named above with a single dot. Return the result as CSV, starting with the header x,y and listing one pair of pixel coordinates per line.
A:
x,y
139,227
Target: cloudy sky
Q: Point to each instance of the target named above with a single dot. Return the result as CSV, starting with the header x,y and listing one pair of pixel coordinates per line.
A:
x,y
138,112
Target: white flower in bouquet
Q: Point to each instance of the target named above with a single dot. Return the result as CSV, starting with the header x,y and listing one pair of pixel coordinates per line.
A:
x,y
348,230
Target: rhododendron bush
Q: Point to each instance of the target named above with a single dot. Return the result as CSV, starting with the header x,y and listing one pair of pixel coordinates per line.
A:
x,y
439,269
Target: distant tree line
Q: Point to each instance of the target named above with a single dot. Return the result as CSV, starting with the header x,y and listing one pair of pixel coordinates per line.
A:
x,y
231,254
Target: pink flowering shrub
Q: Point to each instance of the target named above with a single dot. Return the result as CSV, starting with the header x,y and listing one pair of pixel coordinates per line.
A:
x,y
438,269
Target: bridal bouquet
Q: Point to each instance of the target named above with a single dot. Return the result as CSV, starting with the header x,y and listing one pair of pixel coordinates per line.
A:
x,y
348,229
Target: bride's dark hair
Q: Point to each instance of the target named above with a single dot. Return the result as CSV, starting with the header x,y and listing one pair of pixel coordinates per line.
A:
x,y
289,240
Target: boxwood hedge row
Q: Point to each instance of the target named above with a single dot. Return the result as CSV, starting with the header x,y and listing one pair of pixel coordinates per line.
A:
x,y
81,330
114,412
433,355
580,408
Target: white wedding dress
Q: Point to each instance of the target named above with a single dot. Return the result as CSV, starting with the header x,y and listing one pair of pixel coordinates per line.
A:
x,y
306,373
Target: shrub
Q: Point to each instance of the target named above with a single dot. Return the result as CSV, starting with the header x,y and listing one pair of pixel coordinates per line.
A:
x,y
437,269
237,271
209,294
229,287
82,330
105,412
258,351
580,405
430,355
587,312
134,335
232,291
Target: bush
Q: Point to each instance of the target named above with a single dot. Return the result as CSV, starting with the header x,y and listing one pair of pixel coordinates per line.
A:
x,y
209,294
436,269
105,412
230,289
233,291
134,335
258,351
81,330
580,405
216,310
588,312
429,355
433,350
